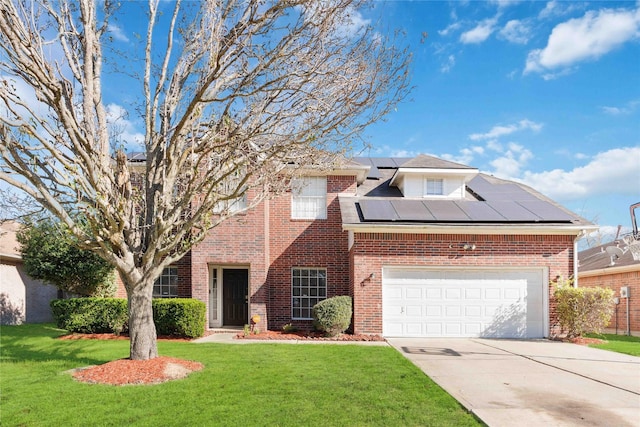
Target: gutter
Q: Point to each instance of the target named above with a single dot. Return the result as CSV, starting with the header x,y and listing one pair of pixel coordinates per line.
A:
x,y
611,270
571,230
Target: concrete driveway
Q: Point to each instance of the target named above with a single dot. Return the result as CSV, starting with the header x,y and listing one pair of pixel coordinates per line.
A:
x,y
532,382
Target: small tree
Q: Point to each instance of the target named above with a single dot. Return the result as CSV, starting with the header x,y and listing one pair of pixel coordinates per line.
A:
x,y
582,310
51,254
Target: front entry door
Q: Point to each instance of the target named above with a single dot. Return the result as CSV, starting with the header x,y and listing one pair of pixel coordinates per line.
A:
x,y
235,294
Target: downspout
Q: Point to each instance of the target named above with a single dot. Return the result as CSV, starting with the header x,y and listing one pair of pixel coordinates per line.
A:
x,y
575,257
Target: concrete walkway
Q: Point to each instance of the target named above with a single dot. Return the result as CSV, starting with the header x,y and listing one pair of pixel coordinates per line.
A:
x,y
532,382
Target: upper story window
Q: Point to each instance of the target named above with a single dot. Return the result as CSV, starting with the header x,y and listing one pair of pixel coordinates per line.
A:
x,y
166,286
227,187
309,197
433,187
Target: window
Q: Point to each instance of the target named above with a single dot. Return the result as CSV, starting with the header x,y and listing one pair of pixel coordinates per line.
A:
x,y
227,187
166,286
434,187
309,288
309,198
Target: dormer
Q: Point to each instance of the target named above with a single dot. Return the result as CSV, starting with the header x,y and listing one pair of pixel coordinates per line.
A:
x,y
428,177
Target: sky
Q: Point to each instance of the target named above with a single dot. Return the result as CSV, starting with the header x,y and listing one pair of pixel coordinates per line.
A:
x,y
546,93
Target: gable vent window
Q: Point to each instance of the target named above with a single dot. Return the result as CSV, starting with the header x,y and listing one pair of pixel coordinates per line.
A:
x,y
434,187
309,198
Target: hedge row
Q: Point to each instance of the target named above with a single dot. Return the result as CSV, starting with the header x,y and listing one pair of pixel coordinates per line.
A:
x,y
184,317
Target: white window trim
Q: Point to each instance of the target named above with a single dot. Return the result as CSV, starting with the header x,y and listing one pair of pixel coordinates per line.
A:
x,y
307,297
300,201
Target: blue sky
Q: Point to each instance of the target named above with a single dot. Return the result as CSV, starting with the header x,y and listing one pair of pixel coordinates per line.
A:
x,y
546,93
543,92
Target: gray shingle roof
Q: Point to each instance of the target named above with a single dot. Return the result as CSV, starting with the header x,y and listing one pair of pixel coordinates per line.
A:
x,y
488,200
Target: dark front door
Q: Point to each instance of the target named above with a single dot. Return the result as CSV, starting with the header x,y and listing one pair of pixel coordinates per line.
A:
x,y
235,296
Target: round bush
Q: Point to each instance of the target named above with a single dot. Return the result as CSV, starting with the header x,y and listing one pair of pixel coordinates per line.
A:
x,y
333,315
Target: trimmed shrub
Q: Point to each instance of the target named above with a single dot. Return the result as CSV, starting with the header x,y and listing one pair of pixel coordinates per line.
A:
x,y
333,315
583,310
183,317
91,315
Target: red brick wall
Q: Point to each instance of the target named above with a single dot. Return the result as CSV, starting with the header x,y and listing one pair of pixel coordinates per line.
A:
x,y
373,250
306,243
615,282
237,242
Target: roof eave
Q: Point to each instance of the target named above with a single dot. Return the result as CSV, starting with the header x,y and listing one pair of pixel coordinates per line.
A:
x,y
484,229
609,270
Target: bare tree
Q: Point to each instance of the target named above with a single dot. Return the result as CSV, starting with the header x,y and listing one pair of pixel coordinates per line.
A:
x,y
235,95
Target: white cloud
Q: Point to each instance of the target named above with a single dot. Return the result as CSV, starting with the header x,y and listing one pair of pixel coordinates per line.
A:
x,y
511,162
448,65
117,33
450,28
516,31
465,156
122,129
480,33
550,9
613,171
556,8
628,108
498,131
585,38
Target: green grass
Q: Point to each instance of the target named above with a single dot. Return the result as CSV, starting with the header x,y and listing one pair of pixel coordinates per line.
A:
x,y
252,385
618,343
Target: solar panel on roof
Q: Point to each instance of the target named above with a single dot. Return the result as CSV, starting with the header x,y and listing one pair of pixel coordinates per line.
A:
x,y
479,211
377,210
512,211
495,192
384,162
411,210
374,173
546,211
445,210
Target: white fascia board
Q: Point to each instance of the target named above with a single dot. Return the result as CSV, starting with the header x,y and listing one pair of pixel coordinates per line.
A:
x,y
609,270
360,172
466,173
569,230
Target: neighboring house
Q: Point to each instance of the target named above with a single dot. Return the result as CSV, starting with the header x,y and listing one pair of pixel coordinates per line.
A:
x,y
22,299
426,248
614,269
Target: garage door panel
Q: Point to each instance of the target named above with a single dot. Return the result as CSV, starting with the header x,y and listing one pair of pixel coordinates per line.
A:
x,y
450,303
454,293
434,310
473,311
475,293
414,311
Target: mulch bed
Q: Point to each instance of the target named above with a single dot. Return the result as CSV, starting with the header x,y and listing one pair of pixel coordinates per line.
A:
x,y
306,336
581,340
128,372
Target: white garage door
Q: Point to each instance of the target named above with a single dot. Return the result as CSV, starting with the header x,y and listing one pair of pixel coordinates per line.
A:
x,y
464,303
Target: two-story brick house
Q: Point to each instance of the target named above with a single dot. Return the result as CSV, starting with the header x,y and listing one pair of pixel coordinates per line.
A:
x,y
426,247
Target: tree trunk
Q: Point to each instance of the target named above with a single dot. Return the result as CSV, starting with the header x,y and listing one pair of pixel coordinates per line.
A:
x,y
142,330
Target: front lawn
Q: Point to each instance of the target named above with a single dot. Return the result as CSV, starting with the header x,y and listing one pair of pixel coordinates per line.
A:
x,y
619,343
253,384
